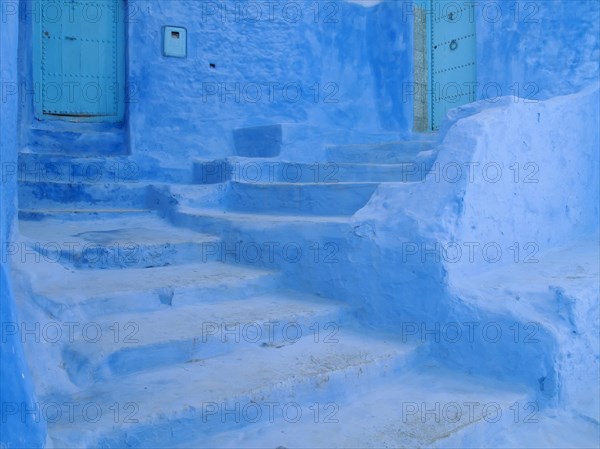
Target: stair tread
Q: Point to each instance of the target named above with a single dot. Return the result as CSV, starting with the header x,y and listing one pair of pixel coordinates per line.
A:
x,y
307,184
75,286
239,159
567,269
142,230
382,166
351,173
183,188
76,214
178,392
390,152
378,418
28,153
418,144
265,217
331,185
62,182
181,323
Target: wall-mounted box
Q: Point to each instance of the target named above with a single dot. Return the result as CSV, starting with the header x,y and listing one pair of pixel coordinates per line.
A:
x,y
175,41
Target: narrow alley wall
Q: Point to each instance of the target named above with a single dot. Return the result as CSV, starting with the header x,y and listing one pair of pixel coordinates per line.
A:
x,y
21,426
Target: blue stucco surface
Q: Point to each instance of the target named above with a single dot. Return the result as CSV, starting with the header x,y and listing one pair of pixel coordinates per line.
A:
x,y
260,141
333,73
536,50
20,426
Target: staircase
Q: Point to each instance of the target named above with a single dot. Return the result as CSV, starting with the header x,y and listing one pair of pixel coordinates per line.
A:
x,y
200,329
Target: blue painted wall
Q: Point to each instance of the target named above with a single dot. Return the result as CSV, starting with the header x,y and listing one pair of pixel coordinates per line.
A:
x,y
547,48
17,430
348,61
390,43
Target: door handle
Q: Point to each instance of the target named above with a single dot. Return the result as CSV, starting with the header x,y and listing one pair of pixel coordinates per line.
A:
x,y
70,38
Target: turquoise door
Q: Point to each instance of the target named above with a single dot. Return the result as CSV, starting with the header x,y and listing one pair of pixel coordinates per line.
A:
x,y
79,60
453,57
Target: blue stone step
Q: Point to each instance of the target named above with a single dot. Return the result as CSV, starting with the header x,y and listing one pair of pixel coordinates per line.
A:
x,y
134,342
131,241
383,153
87,139
173,403
304,199
268,171
193,195
419,408
64,212
42,167
404,172
100,292
256,228
309,244
307,143
313,199
258,141
90,195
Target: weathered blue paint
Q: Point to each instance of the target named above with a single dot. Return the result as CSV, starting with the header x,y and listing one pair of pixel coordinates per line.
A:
x,y
343,69
16,390
536,50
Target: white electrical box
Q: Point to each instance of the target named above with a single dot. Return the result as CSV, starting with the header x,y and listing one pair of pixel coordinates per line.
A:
x,y
175,41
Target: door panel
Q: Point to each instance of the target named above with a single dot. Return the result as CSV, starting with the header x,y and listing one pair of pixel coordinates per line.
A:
x,y
79,60
453,57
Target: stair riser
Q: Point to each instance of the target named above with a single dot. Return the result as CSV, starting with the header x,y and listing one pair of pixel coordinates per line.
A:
x,y
252,172
213,339
291,199
324,173
275,255
316,199
30,215
46,168
121,254
275,251
87,196
389,157
197,196
390,153
33,167
411,172
108,141
276,246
